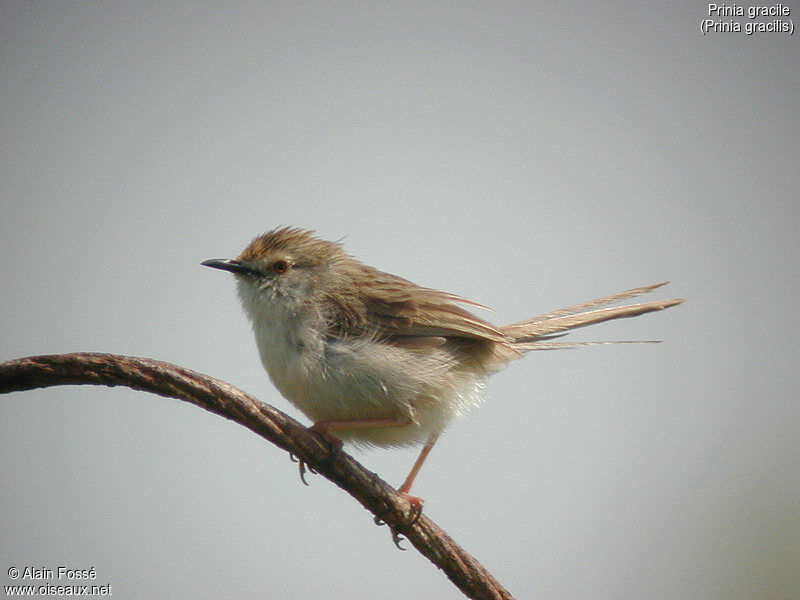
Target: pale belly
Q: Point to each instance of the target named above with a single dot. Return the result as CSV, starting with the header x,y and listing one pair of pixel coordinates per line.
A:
x,y
358,380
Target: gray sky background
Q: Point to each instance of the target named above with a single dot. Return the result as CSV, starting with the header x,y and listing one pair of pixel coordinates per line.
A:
x,y
528,156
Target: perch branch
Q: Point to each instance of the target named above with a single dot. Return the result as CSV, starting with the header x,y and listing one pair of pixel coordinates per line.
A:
x,y
221,398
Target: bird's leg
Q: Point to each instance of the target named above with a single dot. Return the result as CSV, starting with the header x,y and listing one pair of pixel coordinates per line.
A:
x,y
324,428
415,501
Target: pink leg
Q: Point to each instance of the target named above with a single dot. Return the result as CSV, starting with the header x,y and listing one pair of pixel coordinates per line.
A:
x,y
415,501
325,427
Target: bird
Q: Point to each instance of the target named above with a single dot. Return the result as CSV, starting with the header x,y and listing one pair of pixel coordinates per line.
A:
x,y
374,359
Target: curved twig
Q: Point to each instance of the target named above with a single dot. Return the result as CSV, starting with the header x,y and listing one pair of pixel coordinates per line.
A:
x,y
214,395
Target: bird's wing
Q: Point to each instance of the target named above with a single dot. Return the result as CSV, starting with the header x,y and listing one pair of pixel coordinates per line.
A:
x,y
394,307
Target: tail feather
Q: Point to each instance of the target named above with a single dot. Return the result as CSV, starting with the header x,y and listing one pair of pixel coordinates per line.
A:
x,y
546,345
585,306
580,315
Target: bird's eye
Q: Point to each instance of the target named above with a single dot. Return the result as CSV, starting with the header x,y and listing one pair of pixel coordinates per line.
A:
x,y
280,266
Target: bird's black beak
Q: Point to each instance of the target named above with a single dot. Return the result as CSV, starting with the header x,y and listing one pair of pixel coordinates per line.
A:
x,y
233,265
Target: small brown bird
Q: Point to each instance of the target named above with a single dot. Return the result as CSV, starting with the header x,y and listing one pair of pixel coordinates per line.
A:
x,y
374,357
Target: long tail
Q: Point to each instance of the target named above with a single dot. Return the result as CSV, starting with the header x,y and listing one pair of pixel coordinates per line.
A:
x,y
537,333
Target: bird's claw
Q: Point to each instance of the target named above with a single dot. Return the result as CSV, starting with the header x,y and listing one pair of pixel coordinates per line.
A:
x,y
415,502
397,539
301,465
415,512
333,442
